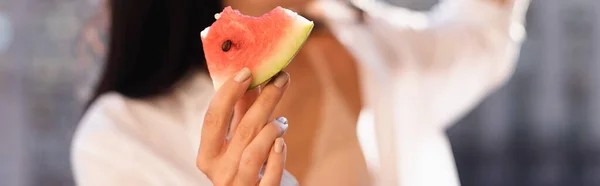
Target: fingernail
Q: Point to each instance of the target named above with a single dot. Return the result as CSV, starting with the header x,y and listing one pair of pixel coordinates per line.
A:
x,y
281,79
283,125
242,75
279,145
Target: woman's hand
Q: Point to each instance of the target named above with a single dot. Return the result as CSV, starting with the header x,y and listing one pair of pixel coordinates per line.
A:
x,y
236,155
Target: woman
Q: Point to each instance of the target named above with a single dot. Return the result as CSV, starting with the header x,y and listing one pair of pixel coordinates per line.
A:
x,y
413,74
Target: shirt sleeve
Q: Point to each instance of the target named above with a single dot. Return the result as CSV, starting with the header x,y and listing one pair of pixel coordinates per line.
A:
x,y
457,52
454,36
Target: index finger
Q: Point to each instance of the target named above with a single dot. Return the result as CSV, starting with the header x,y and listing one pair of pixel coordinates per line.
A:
x,y
219,113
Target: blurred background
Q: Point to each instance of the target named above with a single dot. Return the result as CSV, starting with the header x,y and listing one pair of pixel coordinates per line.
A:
x,y
540,129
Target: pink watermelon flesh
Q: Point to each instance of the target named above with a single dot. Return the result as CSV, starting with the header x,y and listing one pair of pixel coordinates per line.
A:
x,y
264,44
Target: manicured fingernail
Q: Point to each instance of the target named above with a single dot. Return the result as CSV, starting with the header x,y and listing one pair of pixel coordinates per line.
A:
x,y
279,145
282,120
283,125
242,75
281,79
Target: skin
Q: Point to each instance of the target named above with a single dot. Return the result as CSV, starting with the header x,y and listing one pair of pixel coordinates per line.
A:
x,y
323,105
237,161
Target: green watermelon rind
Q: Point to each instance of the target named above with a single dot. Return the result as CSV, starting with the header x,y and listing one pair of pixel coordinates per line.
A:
x,y
285,50
301,30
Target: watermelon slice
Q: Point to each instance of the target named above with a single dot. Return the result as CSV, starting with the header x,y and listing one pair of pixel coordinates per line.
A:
x,y
264,44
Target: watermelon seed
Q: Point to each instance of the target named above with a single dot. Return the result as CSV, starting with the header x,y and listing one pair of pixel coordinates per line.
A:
x,y
226,46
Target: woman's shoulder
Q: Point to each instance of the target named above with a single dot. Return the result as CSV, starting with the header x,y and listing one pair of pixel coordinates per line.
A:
x,y
108,109
109,131
110,142
105,116
113,113
113,120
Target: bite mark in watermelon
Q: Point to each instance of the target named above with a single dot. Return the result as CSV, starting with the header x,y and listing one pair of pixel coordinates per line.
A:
x,y
264,44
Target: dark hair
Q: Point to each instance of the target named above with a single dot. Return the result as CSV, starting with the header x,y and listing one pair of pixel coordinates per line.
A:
x,y
153,44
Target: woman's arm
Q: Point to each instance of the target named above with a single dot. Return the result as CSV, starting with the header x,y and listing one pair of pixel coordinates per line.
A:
x,y
425,70
455,33
457,52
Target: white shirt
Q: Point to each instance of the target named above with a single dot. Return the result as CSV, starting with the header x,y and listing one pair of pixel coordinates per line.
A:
x,y
419,72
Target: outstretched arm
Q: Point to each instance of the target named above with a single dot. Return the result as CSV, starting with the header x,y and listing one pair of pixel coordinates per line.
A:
x,y
425,70
457,52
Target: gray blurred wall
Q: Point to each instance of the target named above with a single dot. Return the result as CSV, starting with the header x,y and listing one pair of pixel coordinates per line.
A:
x,y
38,79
